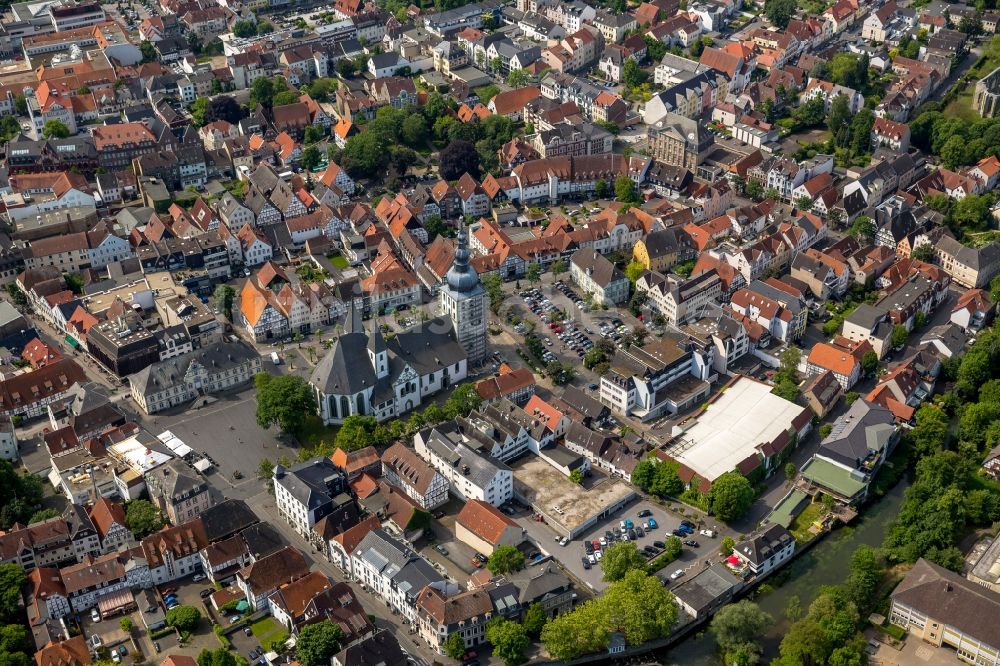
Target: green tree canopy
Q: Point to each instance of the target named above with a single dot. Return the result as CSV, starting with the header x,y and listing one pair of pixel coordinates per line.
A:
x,y
142,517
317,643
505,559
731,496
12,579
454,647
286,401
217,657
183,618
43,514
620,558
55,129
224,296
359,431
779,12
509,640
737,628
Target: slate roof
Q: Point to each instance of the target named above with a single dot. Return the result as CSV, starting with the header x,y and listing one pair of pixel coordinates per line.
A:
x,y
763,545
226,519
863,429
312,483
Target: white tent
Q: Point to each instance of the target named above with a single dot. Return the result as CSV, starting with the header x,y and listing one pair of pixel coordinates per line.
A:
x,y
202,465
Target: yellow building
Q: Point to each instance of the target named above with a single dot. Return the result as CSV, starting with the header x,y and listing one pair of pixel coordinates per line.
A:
x,y
660,250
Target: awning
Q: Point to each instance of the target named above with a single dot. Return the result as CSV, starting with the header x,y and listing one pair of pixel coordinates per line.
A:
x,y
116,601
733,560
71,341
202,465
242,605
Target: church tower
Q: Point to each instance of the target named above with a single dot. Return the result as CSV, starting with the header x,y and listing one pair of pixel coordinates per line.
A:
x,y
463,299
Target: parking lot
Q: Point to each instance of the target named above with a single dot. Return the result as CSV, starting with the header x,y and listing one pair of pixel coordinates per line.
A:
x,y
573,553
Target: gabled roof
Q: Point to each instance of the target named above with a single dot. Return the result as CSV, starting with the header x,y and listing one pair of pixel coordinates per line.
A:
x,y
485,521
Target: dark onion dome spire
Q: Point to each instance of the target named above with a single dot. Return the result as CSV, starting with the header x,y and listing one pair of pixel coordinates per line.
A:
x,y
461,276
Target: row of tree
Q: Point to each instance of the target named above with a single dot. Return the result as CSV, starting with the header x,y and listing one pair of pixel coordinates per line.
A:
x,y
948,496
15,643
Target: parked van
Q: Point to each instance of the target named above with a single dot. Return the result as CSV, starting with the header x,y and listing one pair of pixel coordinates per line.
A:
x,y
275,358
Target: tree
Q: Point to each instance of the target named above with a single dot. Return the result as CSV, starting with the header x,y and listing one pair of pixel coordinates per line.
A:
x,y
863,229
317,643
509,640
148,51
414,131
534,619
183,618
346,68
899,336
726,547
224,296
865,577
518,78
462,401
494,289
194,42
265,469
264,27
971,212
754,190
601,189
310,158
313,134
224,107
731,496
840,115
779,12
285,97
458,158
632,74
244,28
454,647
262,92
558,267
55,129
43,514
217,657
284,401
625,189
359,431
923,252
12,579
364,154
790,471
126,625
633,271
737,627
142,517
576,476
505,559
804,203
869,362
9,128
620,558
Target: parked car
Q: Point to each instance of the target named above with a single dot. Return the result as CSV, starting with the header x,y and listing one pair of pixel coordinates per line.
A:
x,y
586,563
677,574
122,650
563,541
95,640
115,657
651,524
156,646
247,631
644,513
659,544
687,523
441,549
95,615
691,542
679,533
641,532
206,593
709,533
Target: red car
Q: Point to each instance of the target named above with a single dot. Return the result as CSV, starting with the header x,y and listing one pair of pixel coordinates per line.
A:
x,y
596,544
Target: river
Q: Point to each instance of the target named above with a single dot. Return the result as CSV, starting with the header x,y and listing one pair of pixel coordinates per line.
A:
x,y
826,564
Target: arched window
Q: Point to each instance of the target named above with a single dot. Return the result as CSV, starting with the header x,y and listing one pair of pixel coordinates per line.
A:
x,y
345,407
361,403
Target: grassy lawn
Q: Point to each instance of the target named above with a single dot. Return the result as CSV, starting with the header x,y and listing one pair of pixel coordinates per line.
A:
x,y
961,106
893,630
314,433
800,526
338,261
266,628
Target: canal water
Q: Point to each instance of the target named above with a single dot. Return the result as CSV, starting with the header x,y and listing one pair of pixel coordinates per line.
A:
x,y
826,564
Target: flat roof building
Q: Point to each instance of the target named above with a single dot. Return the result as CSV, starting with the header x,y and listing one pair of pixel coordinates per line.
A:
x,y
743,428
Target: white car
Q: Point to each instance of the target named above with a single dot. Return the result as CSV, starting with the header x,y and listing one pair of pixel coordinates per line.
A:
x,y
598,555
677,574
115,657
198,578
592,559
604,541
95,640
563,541
95,615
708,533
